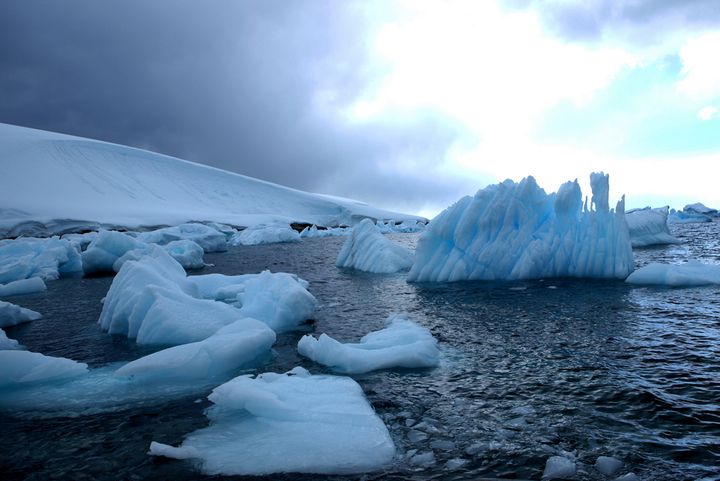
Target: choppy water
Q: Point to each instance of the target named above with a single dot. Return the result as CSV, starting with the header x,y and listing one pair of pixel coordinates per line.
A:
x,y
529,369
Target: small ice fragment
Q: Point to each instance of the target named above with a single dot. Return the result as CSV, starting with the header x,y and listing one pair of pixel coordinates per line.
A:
x,y
558,467
608,465
455,463
423,459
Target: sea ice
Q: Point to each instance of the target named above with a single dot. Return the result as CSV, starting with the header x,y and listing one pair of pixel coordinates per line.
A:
x,y
402,343
208,238
649,227
234,346
368,250
22,286
680,217
6,343
265,234
292,422
608,465
48,259
11,314
24,367
514,231
684,275
313,231
559,467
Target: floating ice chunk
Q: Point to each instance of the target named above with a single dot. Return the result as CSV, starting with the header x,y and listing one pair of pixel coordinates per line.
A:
x,y
313,231
279,299
425,459
11,314
683,275
699,208
680,217
608,465
232,347
188,253
368,250
628,477
48,259
22,286
401,344
265,234
25,367
6,343
455,463
208,238
514,231
293,422
559,467
153,301
80,241
649,227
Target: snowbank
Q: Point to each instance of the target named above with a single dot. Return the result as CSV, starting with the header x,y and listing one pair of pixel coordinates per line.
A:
x,y
234,346
24,367
48,259
11,314
22,286
684,275
401,344
368,250
153,301
649,227
265,234
206,237
513,231
285,423
97,185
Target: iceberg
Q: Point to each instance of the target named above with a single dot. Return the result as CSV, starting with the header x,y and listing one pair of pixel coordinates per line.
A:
x,y
24,367
402,344
265,234
22,286
153,301
6,343
11,314
684,275
287,423
368,250
700,208
206,237
649,227
511,231
48,259
680,217
313,231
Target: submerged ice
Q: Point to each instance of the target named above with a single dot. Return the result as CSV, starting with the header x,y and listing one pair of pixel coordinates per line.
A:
x,y
367,249
514,231
402,343
285,423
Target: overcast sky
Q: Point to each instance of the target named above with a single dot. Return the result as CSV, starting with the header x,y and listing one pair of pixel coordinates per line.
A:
x,y
404,104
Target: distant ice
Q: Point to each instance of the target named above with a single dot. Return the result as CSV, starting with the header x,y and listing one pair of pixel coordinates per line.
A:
x,y
22,286
680,217
368,250
402,343
25,367
48,259
649,227
514,231
205,236
700,208
287,423
313,231
153,301
683,275
6,343
265,234
11,314
407,226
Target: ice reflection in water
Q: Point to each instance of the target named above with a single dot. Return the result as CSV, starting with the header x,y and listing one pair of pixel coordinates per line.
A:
x,y
529,369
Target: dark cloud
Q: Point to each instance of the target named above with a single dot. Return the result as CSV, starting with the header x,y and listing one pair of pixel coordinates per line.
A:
x,y
636,21
250,86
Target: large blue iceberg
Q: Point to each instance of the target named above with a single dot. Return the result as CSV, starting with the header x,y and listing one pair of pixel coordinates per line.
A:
x,y
512,231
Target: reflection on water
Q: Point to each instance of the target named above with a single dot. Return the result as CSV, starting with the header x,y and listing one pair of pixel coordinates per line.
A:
x,y
529,370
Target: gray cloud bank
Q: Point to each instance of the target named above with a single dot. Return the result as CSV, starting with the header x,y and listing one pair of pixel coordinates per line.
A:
x,y
255,87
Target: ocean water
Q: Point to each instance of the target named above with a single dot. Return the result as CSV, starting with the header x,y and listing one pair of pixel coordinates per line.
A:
x,y
529,370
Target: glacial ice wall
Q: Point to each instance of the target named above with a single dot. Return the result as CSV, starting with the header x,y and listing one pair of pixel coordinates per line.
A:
x,y
512,231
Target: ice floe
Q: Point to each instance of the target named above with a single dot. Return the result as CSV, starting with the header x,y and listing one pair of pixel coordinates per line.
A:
x,y
294,422
369,250
559,467
649,227
25,367
265,234
22,286
402,344
313,231
514,230
206,237
12,314
676,275
48,259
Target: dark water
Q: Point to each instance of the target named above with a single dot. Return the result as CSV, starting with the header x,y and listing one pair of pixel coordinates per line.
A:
x,y
529,369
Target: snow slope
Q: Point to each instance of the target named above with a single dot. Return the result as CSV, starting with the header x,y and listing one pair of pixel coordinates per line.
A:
x,y
93,184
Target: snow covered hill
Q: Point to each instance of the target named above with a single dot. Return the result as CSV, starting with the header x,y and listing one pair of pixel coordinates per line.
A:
x,y
55,183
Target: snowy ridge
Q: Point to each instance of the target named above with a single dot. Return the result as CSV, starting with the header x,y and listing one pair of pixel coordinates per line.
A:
x,y
514,231
96,184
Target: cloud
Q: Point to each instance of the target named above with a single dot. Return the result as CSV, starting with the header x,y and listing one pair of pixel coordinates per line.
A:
x,y
708,113
700,71
257,87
